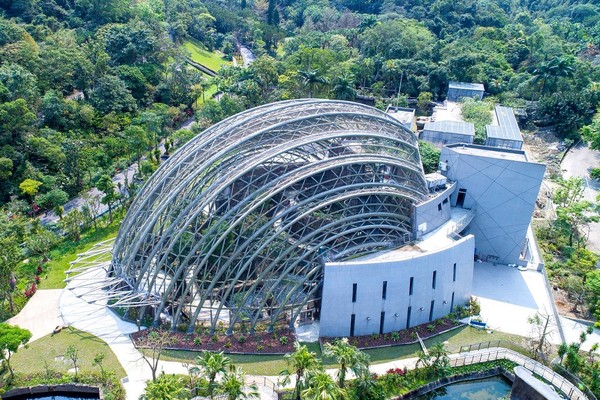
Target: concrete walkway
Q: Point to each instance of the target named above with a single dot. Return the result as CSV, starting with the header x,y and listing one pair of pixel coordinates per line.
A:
x,y
96,319
508,297
40,315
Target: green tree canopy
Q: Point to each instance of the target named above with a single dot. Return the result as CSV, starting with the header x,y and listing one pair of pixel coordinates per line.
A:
x,y
11,338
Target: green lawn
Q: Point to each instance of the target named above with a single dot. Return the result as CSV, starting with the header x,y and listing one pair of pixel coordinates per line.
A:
x,y
50,349
208,94
67,251
272,365
207,58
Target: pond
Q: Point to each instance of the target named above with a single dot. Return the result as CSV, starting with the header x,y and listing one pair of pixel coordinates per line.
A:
x,y
493,388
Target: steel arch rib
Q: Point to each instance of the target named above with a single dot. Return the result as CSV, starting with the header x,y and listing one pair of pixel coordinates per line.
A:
x,y
254,162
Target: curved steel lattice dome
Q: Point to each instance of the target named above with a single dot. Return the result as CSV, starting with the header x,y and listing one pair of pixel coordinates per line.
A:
x,y
236,226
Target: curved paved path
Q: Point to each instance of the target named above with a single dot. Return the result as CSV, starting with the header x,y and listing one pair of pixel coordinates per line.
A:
x,y
41,314
48,308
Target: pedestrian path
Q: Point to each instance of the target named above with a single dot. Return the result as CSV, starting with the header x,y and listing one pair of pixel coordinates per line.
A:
x,y
98,320
85,309
40,315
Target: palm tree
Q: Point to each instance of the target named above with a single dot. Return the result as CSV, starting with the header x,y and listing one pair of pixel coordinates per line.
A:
x,y
343,87
347,356
548,72
440,361
301,362
233,384
434,361
166,387
323,387
423,360
212,364
310,79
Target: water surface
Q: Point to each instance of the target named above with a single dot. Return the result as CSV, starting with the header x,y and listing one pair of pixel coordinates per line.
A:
x,y
493,388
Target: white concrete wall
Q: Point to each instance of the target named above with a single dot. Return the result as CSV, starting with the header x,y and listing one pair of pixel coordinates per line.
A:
x,y
503,192
433,212
337,306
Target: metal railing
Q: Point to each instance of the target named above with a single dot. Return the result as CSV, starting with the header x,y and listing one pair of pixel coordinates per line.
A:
x,y
553,378
494,344
264,382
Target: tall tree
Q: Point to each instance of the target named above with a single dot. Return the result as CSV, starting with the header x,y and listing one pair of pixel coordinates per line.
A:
x,y
39,243
72,224
300,363
212,364
323,387
347,356
343,87
11,338
10,255
573,213
233,385
107,187
154,343
311,79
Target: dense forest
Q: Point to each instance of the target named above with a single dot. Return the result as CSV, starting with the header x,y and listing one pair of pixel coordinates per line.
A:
x,y
87,87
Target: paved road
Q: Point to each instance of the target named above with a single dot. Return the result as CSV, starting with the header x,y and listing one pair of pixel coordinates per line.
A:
x,y
119,178
579,161
247,55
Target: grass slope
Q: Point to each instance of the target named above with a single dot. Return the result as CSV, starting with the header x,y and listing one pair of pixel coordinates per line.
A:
x,y
67,251
50,349
207,58
272,365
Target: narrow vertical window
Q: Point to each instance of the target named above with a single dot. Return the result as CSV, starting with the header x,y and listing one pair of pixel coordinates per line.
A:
x,y
410,286
408,317
381,322
354,287
384,290
433,279
431,310
352,321
454,273
452,303
439,206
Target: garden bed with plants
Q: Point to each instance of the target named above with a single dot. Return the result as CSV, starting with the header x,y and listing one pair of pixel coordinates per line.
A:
x,y
403,337
278,342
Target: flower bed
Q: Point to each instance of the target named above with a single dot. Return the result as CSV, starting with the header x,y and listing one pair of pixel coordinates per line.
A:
x,y
405,336
279,342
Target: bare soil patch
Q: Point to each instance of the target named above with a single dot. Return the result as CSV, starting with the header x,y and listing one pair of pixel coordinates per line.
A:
x,y
565,305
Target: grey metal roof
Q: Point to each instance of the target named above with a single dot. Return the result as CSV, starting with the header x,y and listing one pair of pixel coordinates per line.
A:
x,y
466,85
458,127
507,127
402,114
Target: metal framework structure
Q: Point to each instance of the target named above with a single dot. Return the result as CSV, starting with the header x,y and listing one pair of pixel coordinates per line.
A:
x,y
236,226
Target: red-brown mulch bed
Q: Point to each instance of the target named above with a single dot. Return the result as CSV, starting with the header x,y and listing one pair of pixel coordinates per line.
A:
x,y
405,336
257,343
